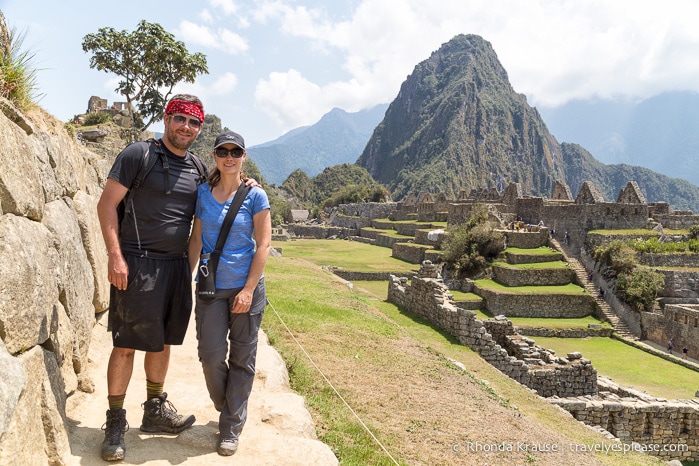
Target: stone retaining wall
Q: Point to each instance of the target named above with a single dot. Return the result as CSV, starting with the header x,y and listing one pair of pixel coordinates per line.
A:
x,y
669,260
320,231
539,369
668,430
387,241
422,237
410,252
526,239
514,258
537,305
511,276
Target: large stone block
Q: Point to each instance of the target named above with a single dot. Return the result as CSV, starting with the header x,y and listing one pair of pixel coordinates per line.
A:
x,y
28,273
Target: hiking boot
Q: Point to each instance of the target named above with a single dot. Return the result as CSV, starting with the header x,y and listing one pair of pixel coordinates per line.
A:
x,y
159,415
227,446
113,446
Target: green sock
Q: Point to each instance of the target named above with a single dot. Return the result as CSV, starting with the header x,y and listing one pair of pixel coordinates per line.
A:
x,y
153,389
116,401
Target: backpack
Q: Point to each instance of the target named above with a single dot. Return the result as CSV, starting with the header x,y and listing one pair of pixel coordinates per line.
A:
x,y
150,157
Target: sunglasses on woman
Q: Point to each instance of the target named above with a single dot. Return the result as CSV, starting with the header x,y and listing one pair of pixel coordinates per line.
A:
x,y
236,152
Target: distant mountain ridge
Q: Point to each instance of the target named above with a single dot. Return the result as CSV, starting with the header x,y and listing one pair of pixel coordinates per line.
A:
x,y
338,137
457,124
659,133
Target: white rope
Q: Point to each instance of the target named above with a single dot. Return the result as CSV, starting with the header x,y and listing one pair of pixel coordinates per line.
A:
x,y
331,385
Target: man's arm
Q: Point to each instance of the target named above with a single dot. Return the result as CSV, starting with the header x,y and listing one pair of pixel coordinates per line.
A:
x,y
114,192
194,248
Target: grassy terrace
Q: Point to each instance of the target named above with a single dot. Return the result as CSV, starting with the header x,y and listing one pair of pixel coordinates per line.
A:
x,y
558,289
540,251
413,222
349,255
630,232
630,367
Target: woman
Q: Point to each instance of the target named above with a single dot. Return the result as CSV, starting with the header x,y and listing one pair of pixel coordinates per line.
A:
x,y
236,310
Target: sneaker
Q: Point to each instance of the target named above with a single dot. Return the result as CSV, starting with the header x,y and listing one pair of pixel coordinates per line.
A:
x,y
159,415
113,446
227,446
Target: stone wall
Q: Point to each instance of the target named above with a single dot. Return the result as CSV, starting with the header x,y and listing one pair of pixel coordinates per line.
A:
x,y
669,430
53,276
680,322
679,283
410,252
320,231
514,258
669,260
368,210
537,305
538,368
514,276
349,222
526,239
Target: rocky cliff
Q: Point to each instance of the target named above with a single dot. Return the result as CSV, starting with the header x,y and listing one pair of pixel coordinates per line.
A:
x,y
52,280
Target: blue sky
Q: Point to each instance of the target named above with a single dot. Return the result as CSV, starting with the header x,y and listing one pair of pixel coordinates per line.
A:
x,y
275,65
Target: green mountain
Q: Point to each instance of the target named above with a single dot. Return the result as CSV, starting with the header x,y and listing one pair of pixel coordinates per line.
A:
x,y
338,137
457,124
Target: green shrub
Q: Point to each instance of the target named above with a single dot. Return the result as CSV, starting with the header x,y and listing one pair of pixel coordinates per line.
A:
x,y
97,118
617,255
469,247
640,287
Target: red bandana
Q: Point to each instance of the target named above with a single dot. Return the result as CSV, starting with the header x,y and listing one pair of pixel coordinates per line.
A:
x,y
188,108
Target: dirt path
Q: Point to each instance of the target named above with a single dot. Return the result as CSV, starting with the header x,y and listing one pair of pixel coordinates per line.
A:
x,y
279,430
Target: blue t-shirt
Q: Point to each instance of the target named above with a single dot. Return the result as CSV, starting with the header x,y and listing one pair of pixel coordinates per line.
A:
x,y
234,264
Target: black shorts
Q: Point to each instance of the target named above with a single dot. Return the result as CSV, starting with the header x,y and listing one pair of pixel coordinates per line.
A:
x,y
154,309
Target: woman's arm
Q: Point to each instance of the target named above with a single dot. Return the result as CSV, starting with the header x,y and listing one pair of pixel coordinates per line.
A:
x,y
262,223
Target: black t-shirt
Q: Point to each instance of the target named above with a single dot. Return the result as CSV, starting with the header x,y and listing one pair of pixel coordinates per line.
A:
x,y
158,222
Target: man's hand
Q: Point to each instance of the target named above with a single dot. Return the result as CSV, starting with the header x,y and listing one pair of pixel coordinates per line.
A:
x,y
118,271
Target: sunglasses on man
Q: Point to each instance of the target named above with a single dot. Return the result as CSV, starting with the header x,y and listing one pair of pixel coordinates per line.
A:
x,y
182,120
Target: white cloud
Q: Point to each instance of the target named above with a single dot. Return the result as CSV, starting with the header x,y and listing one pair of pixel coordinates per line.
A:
x,y
227,6
553,51
223,39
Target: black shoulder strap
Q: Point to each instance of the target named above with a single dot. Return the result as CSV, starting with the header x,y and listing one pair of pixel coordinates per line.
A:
x,y
230,217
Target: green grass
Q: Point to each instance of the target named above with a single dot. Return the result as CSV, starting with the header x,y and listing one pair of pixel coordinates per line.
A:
x,y
629,366
317,306
557,289
557,323
461,296
635,231
540,251
349,255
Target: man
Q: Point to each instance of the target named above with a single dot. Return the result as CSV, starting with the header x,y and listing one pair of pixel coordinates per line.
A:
x,y
148,268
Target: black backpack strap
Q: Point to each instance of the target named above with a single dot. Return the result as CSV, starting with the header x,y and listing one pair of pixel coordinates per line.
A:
x,y
150,156
201,168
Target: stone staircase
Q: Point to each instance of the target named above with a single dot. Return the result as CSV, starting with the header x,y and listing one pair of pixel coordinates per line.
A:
x,y
605,310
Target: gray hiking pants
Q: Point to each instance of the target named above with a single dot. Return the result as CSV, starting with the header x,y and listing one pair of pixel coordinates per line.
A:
x,y
229,370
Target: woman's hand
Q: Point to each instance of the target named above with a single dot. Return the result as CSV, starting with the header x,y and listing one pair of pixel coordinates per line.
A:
x,y
242,302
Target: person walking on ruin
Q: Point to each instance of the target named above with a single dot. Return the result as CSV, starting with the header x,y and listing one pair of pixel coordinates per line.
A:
x,y
566,238
235,312
151,300
684,352
670,345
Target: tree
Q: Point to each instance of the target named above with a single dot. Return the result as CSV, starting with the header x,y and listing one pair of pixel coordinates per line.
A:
x,y
150,61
